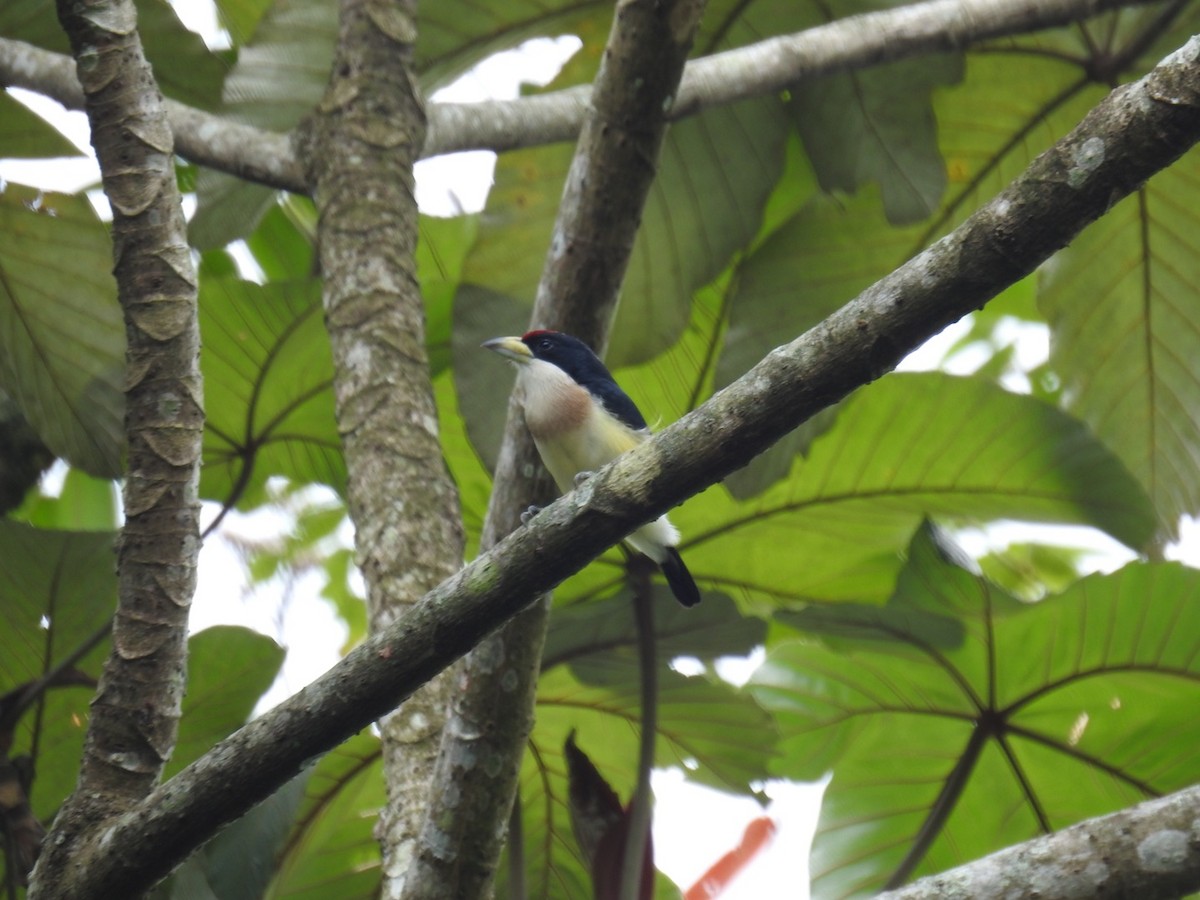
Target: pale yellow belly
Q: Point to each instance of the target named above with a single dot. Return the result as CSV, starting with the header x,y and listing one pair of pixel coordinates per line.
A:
x,y
577,452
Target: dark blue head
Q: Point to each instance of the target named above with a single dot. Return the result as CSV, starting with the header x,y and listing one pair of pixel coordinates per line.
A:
x,y
569,353
576,358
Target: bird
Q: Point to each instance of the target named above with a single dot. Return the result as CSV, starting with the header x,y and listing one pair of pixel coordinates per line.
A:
x,y
580,420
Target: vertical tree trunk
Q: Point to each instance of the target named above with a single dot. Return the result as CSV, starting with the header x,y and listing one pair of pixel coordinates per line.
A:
x,y
135,713
614,165
359,151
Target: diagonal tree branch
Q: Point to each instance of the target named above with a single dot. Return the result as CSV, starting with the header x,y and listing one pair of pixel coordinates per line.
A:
x,y
851,43
1137,130
1147,851
606,189
855,42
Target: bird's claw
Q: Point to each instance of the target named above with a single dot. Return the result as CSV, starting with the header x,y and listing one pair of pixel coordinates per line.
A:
x,y
581,477
527,516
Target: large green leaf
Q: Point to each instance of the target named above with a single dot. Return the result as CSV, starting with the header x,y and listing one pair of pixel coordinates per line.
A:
x,y
84,504
281,74
239,863
34,22
229,669
184,68
1116,298
730,754
714,731
285,49
62,343
283,243
331,850
827,251
241,17
227,208
26,135
704,725
906,446
989,129
1006,112
58,590
279,77
811,265
268,375
702,208
1008,109
942,752
473,480
598,640
878,125
441,249
458,34
1121,302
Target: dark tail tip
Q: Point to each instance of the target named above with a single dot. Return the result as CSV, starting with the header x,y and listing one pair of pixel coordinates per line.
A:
x,y
680,579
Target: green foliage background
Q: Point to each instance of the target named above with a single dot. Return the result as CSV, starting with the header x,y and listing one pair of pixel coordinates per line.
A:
x,y
959,704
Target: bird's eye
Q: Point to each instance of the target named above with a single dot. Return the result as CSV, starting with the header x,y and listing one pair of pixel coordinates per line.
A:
x,y
545,345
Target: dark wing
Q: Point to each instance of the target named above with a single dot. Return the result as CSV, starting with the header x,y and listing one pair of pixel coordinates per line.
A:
x,y
617,402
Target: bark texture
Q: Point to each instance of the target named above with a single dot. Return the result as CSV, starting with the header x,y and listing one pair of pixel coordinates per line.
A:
x,y
1141,128
135,712
1150,850
614,165
360,148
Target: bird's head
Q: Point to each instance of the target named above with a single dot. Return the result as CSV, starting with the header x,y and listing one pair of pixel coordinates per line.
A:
x,y
543,357
568,353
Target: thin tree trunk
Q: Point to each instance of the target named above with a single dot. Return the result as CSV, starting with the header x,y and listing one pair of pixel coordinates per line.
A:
x,y
359,150
606,190
135,713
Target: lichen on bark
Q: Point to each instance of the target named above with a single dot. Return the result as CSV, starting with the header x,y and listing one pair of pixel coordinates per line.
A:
x,y
358,148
